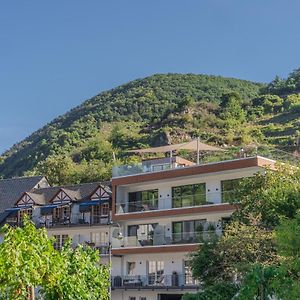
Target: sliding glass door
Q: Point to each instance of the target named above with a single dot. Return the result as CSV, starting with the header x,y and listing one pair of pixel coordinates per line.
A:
x,y
156,270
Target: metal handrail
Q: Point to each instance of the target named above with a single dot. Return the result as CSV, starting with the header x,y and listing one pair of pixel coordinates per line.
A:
x,y
194,237
73,220
158,279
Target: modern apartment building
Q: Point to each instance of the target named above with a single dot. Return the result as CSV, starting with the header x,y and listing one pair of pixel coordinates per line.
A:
x,y
163,211
146,221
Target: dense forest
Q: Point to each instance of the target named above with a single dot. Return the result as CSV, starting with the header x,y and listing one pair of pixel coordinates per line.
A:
x,y
80,145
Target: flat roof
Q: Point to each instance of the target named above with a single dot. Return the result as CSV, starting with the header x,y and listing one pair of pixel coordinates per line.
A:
x,y
239,163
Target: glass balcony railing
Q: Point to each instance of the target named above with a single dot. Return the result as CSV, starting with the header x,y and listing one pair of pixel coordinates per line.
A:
x,y
155,281
135,169
177,202
136,206
229,154
168,239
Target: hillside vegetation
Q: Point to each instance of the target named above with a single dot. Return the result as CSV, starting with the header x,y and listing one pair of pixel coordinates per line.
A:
x,y
80,145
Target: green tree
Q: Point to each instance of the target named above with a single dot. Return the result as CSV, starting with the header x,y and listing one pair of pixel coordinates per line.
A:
x,y
80,276
59,169
292,101
217,291
230,258
287,283
231,110
283,279
259,283
268,196
28,260
269,103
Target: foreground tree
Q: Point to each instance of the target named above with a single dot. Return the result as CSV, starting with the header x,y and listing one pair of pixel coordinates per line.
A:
x,y
259,252
227,261
281,280
268,196
29,262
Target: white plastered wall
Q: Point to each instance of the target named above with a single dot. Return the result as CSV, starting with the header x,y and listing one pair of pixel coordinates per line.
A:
x,y
212,180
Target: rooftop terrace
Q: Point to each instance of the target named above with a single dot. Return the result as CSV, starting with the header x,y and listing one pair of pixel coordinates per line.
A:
x,y
175,162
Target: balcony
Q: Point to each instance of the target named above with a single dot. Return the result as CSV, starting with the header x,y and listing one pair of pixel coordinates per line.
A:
x,y
186,201
73,220
181,238
155,281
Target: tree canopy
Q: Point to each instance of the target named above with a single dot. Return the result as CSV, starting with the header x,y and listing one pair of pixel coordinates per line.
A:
x,y
259,251
29,264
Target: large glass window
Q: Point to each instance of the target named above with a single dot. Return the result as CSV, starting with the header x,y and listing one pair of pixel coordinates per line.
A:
x,y
189,195
144,233
143,200
228,189
188,274
99,238
187,231
130,268
156,271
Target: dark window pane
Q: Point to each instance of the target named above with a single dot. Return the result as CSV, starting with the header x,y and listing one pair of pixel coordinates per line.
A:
x,y
177,231
189,195
176,196
228,189
200,193
143,200
132,230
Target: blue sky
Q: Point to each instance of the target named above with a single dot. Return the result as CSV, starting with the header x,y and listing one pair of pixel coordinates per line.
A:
x,y
55,54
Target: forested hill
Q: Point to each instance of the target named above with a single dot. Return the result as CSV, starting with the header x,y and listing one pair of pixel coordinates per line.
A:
x,y
79,146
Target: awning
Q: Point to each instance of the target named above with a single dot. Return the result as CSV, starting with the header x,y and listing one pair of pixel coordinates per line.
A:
x,y
47,209
85,206
194,145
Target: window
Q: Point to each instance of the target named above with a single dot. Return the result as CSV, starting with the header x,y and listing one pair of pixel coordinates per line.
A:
x,y
143,200
23,212
105,209
156,272
228,189
130,268
61,213
64,239
160,167
143,298
143,232
96,214
189,195
60,240
132,298
99,238
99,212
188,274
132,230
187,231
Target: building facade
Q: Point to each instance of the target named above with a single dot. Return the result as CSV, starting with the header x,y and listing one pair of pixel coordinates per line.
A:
x,y
145,222
163,214
81,213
